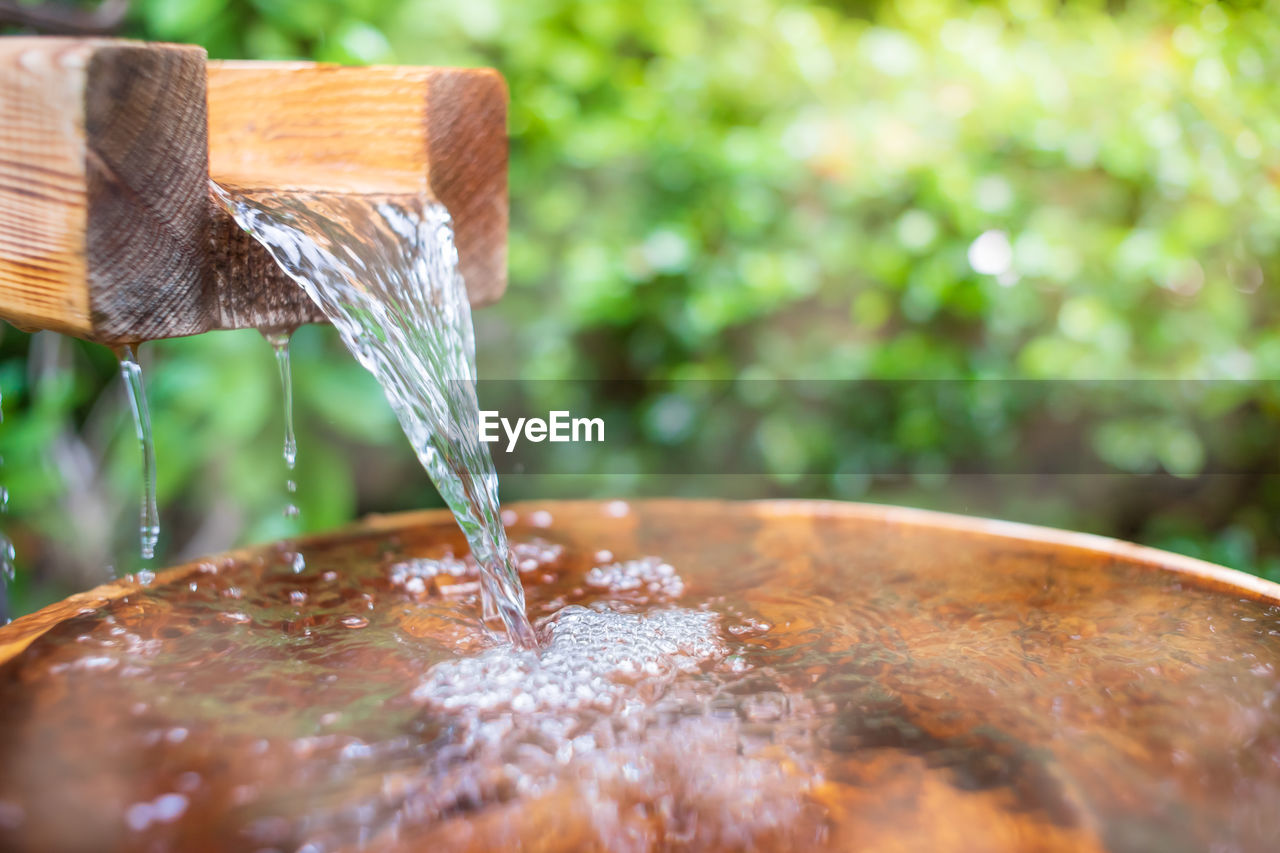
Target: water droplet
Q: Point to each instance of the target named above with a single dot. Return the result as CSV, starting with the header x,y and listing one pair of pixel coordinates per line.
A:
x,y
279,340
7,553
355,621
131,373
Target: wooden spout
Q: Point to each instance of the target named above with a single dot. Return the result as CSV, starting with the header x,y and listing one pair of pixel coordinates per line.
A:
x,y
107,228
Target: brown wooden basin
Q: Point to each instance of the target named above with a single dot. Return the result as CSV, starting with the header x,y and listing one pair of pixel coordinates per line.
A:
x,y
878,679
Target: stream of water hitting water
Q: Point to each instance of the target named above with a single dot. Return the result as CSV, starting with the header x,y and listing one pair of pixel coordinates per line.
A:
x,y
384,271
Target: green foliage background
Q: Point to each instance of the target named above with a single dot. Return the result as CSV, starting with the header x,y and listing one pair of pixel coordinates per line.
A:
x,y
763,189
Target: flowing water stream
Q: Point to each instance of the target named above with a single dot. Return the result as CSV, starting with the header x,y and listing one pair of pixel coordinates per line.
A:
x,y
384,271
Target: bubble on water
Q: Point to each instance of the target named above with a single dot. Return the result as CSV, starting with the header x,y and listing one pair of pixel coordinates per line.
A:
x,y
428,569
619,708
138,816
11,815
96,662
749,626
163,809
355,621
648,574
417,576
588,656
535,554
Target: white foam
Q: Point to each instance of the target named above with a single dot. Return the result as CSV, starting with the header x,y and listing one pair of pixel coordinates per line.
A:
x,y
649,574
620,709
591,658
415,575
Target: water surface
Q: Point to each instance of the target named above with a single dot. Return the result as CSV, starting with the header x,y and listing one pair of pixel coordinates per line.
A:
x,y
712,677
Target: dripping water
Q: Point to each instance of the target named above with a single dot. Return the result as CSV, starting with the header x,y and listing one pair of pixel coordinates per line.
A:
x,y
384,271
7,554
279,341
149,524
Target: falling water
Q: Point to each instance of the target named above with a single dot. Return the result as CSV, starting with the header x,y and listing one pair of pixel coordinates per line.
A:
x,y
6,546
279,341
149,526
384,271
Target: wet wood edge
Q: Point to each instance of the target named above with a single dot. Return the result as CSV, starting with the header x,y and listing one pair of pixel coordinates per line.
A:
x,y
22,632
107,227
103,164
401,133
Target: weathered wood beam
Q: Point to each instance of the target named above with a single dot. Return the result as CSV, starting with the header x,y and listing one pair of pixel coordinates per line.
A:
x,y
388,130
107,228
103,158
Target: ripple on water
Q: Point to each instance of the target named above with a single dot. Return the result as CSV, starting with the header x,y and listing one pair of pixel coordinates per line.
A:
x,y
729,694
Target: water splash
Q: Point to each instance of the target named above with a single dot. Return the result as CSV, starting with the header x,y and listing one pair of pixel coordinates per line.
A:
x,y
149,524
384,271
279,341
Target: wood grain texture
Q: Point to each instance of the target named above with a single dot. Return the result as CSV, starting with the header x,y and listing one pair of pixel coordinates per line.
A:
x,y
107,227
467,145
318,128
371,131
147,160
42,184
100,144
